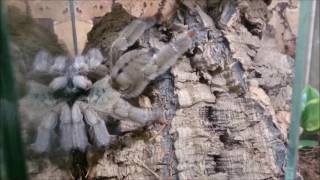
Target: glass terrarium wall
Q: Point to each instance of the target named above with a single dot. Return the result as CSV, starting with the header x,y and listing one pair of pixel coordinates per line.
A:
x,y
308,153
57,29
315,56
43,31
305,108
58,17
43,20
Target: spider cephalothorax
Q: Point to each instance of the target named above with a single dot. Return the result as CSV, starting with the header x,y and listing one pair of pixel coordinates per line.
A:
x,y
83,95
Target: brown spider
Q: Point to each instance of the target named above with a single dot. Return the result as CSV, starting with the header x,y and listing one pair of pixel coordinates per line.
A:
x,y
59,105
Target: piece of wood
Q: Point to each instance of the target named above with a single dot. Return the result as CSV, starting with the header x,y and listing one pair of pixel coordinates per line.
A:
x,y
208,136
213,129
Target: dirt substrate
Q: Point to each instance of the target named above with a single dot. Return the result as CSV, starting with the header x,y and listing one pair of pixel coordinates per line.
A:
x,y
309,163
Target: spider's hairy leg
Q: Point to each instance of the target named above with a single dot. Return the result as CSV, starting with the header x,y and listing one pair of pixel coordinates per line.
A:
x,y
98,131
127,72
42,61
97,69
94,58
58,83
65,128
135,69
81,82
79,136
41,67
45,133
59,65
124,110
106,100
80,65
168,55
129,35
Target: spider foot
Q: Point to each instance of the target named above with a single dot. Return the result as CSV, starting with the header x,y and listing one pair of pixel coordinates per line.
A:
x,y
45,133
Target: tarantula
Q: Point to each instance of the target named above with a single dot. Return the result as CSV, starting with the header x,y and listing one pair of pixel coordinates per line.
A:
x,y
65,81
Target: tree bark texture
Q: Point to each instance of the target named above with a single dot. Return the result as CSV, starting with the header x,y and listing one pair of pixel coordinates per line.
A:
x,y
214,132
218,124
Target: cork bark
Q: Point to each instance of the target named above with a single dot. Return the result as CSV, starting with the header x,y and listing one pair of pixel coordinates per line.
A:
x,y
212,132
213,129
